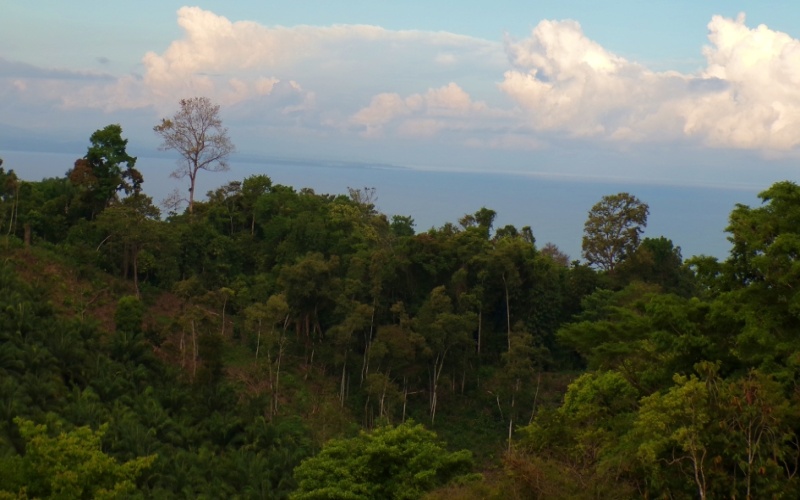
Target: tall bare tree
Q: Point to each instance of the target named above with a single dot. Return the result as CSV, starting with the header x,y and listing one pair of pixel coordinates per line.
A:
x,y
197,134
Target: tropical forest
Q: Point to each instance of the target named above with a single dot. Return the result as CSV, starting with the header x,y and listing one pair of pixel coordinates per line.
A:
x,y
265,341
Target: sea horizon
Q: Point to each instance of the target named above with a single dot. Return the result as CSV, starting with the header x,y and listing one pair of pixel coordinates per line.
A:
x,y
555,206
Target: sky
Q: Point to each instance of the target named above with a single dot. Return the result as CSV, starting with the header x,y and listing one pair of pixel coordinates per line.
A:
x,y
680,93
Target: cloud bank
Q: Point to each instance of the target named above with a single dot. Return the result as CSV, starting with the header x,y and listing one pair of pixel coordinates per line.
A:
x,y
369,83
745,98
447,107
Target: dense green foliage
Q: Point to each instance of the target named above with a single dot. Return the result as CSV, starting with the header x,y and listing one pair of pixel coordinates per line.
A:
x,y
208,353
612,230
69,465
400,462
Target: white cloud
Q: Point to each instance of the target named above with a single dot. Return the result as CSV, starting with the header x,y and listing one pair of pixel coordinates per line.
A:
x,y
311,76
383,109
213,45
569,83
451,99
445,108
746,97
367,80
760,108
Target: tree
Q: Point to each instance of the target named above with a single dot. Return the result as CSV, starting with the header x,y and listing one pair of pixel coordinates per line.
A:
x,y
197,134
555,254
402,225
762,271
673,428
575,451
766,241
9,198
612,231
657,261
131,226
100,175
261,316
69,465
444,331
400,462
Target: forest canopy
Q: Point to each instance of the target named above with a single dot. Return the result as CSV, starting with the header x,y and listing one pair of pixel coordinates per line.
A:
x,y
240,347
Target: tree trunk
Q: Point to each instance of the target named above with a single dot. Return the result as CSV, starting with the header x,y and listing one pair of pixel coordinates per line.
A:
x,y
508,312
271,376
136,273
365,361
15,218
368,342
276,391
194,351
438,365
480,325
342,383
192,177
182,345
258,338
699,474
310,364
382,411
405,396
224,303
511,413
510,430
281,344
535,396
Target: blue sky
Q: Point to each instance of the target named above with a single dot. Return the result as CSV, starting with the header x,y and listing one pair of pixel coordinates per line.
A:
x,y
669,92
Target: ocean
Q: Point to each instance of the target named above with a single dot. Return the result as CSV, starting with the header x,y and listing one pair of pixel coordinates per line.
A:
x,y
693,217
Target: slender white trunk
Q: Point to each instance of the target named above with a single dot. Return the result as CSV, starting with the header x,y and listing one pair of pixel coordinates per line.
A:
x,y
281,345
258,338
438,365
405,397
342,383
535,396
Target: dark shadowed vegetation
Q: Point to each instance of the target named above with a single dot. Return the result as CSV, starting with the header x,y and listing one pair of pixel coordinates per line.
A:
x,y
269,342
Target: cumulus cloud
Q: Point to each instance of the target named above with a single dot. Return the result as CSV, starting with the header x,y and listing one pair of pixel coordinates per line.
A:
x,y
367,80
447,107
569,83
316,76
745,98
214,45
761,106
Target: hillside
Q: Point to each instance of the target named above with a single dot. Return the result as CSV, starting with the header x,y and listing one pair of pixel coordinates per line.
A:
x,y
206,353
